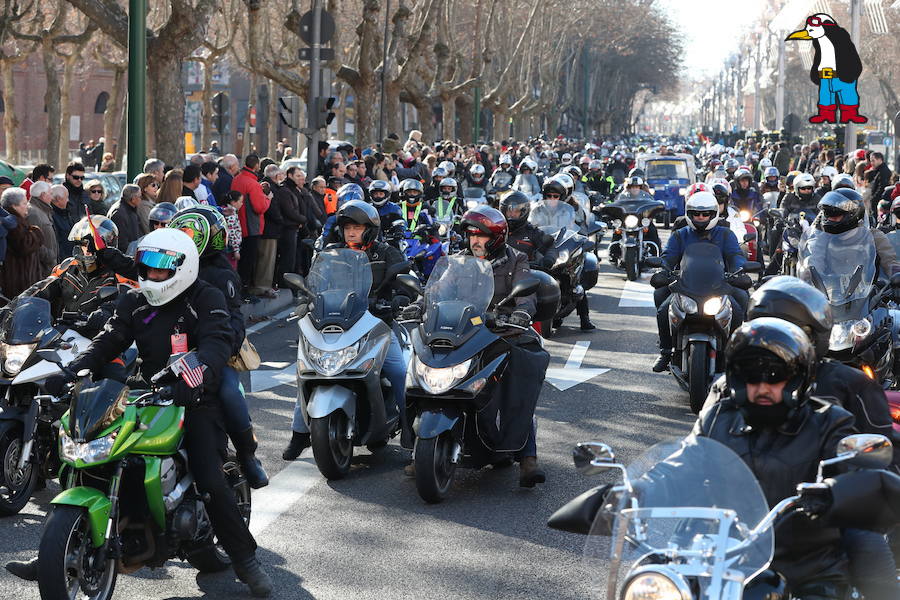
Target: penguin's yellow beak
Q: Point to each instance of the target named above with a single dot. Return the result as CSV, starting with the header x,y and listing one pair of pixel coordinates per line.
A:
x,y
799,35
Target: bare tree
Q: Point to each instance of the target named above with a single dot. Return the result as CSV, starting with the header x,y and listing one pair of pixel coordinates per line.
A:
x,y
12,52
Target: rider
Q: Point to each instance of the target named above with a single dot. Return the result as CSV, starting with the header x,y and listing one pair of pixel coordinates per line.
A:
x,y
769,421
357,228
844,210
803,198
434,190
594,180
451,203
170,313
770,181
475,177
380,197
207,227
552,213
523,236
826,177
702,212
744,193
411,196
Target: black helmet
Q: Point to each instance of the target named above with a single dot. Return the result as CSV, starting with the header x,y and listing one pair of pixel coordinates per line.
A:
x,y
408,190
205,226
518,204
798,302
771,350
554,186
485,220
161,214
842,210
361,213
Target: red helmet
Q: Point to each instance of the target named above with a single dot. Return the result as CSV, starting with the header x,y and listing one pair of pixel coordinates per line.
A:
x,y
488,221
696,187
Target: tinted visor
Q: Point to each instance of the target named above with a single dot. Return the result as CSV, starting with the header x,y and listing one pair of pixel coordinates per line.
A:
x,y
833,211
709,214
765,370
158,259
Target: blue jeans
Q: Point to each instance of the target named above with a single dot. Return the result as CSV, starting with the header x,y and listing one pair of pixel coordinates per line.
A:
x,y
394,368
530,448
834,91
872,565
234,405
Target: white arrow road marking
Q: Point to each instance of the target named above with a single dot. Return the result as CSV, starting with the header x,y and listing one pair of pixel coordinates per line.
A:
x,y
637,294
268,378
572,374
273,319
283,491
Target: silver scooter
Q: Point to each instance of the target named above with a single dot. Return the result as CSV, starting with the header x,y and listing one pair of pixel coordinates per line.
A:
x,y
343,397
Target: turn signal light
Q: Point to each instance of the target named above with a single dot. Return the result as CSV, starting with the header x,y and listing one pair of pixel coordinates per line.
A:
x,y
868,371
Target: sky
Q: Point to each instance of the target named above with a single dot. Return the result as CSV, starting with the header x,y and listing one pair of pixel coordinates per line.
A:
x,y
711,28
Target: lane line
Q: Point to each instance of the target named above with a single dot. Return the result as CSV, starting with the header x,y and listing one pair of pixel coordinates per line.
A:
x,y
637,294
283,491
283,314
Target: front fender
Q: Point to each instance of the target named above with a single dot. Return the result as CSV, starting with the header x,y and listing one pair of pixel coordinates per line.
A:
x,y
97,505
431,424
326,399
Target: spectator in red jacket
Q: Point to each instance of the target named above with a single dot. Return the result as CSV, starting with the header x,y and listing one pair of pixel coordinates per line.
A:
x,y
251,215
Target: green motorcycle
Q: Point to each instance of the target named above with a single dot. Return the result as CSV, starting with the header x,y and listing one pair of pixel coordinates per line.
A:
x,y
128,498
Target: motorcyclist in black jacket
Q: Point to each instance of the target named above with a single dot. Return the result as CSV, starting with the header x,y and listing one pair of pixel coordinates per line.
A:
x,y
768,420
356,226
803,305
171,313
207,227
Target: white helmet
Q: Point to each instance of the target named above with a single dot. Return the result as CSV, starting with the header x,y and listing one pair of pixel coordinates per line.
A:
x,y
449,166
566,159
842,180
169,249
184,202
447,182
828,171
765,162
702,202
567,181
803,180
477,171
505,159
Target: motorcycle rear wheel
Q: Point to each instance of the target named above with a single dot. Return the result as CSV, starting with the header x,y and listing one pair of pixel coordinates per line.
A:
x,y
698,376
16,486
331,448
632,265
66,552
434,468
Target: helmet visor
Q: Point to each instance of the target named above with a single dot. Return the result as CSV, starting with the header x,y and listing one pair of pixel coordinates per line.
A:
x,y
763,370
159,259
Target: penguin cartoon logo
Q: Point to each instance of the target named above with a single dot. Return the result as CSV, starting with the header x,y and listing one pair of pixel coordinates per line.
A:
x,y
836,68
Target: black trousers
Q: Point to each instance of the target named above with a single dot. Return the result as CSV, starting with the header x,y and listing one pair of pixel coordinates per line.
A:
x,y
204,440
247,264
304,255
286,259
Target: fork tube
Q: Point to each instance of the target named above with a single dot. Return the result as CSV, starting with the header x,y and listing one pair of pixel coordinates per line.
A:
x,y
114,501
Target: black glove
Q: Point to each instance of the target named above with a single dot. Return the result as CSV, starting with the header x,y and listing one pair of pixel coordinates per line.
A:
x,y
96,320
184,395
816,501
520,318
57,385
413,312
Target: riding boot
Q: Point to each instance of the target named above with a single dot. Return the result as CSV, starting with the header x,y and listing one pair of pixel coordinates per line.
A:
x,y
530,473
299,442
245,447
586,324
250,572
827,114
662,361
27,570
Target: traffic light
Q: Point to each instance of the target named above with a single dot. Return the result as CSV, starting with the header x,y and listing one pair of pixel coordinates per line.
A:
x,y
289,111
323,115
220,111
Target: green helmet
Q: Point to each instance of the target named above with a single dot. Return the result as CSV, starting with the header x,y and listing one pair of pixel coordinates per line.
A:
x,y
205,225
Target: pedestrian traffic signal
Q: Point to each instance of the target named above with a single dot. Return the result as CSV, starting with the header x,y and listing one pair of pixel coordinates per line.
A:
x,y
323,115
289,111
220,112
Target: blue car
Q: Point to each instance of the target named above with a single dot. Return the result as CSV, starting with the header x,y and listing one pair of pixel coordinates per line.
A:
x,y
668,178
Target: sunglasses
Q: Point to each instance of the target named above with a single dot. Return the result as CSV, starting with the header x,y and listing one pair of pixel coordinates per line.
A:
x,y
805,187
96,191
77,177
709,214
551,196
767,372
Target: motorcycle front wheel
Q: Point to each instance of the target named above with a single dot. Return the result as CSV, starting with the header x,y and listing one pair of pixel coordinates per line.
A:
x,y
16,485
697,376
330,445
67,558
434,467
632,265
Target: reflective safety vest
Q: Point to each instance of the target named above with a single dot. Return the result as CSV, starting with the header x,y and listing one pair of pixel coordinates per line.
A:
x,y
450,208
415,220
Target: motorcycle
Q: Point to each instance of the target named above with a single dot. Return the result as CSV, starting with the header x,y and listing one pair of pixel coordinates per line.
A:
x,y
787,231
128,498
28,434
842,266
343,397
474,196
700,316
456,367
631,218
419,247
689,519
574,266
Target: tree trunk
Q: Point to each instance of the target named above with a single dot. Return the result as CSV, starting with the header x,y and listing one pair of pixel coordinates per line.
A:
x,y
65,109
164,81
112,118
251,103
206,108
465,109
341,117
426,118
448,121
10,118
366,126
272,122
52,102
392,118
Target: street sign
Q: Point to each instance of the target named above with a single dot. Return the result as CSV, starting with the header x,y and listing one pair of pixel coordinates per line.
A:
x,y
325,54
252,116
326,28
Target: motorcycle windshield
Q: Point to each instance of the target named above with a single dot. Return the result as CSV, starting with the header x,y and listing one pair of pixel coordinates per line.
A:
x,y
25,321
457,295
95,406
666,170
840,264
501,180
702,268
527,184
551,221
340,281
695,500
642,204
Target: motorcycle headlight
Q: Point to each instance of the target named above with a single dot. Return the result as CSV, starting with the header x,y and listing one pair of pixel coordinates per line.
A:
x,y
332,362
631,221
846,333
561,259
861,328
688,305
442,230
712,306
617,223
645,222
88,452
438,381
653,585
14,356
682,192
745,215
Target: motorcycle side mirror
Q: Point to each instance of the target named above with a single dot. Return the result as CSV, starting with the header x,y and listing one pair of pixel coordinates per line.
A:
x,y
297,282
895,280
776,213
409,284
50,355
524,287
654,261
869,450
107,292
591,458
751,267
749,237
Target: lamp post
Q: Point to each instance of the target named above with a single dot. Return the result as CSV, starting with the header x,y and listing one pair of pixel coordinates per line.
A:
x,y
137,87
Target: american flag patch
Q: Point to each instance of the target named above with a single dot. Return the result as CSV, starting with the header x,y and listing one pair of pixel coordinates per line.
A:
x,y
190,369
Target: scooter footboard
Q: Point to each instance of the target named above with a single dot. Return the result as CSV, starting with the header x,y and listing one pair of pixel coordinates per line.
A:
x,y
326,399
